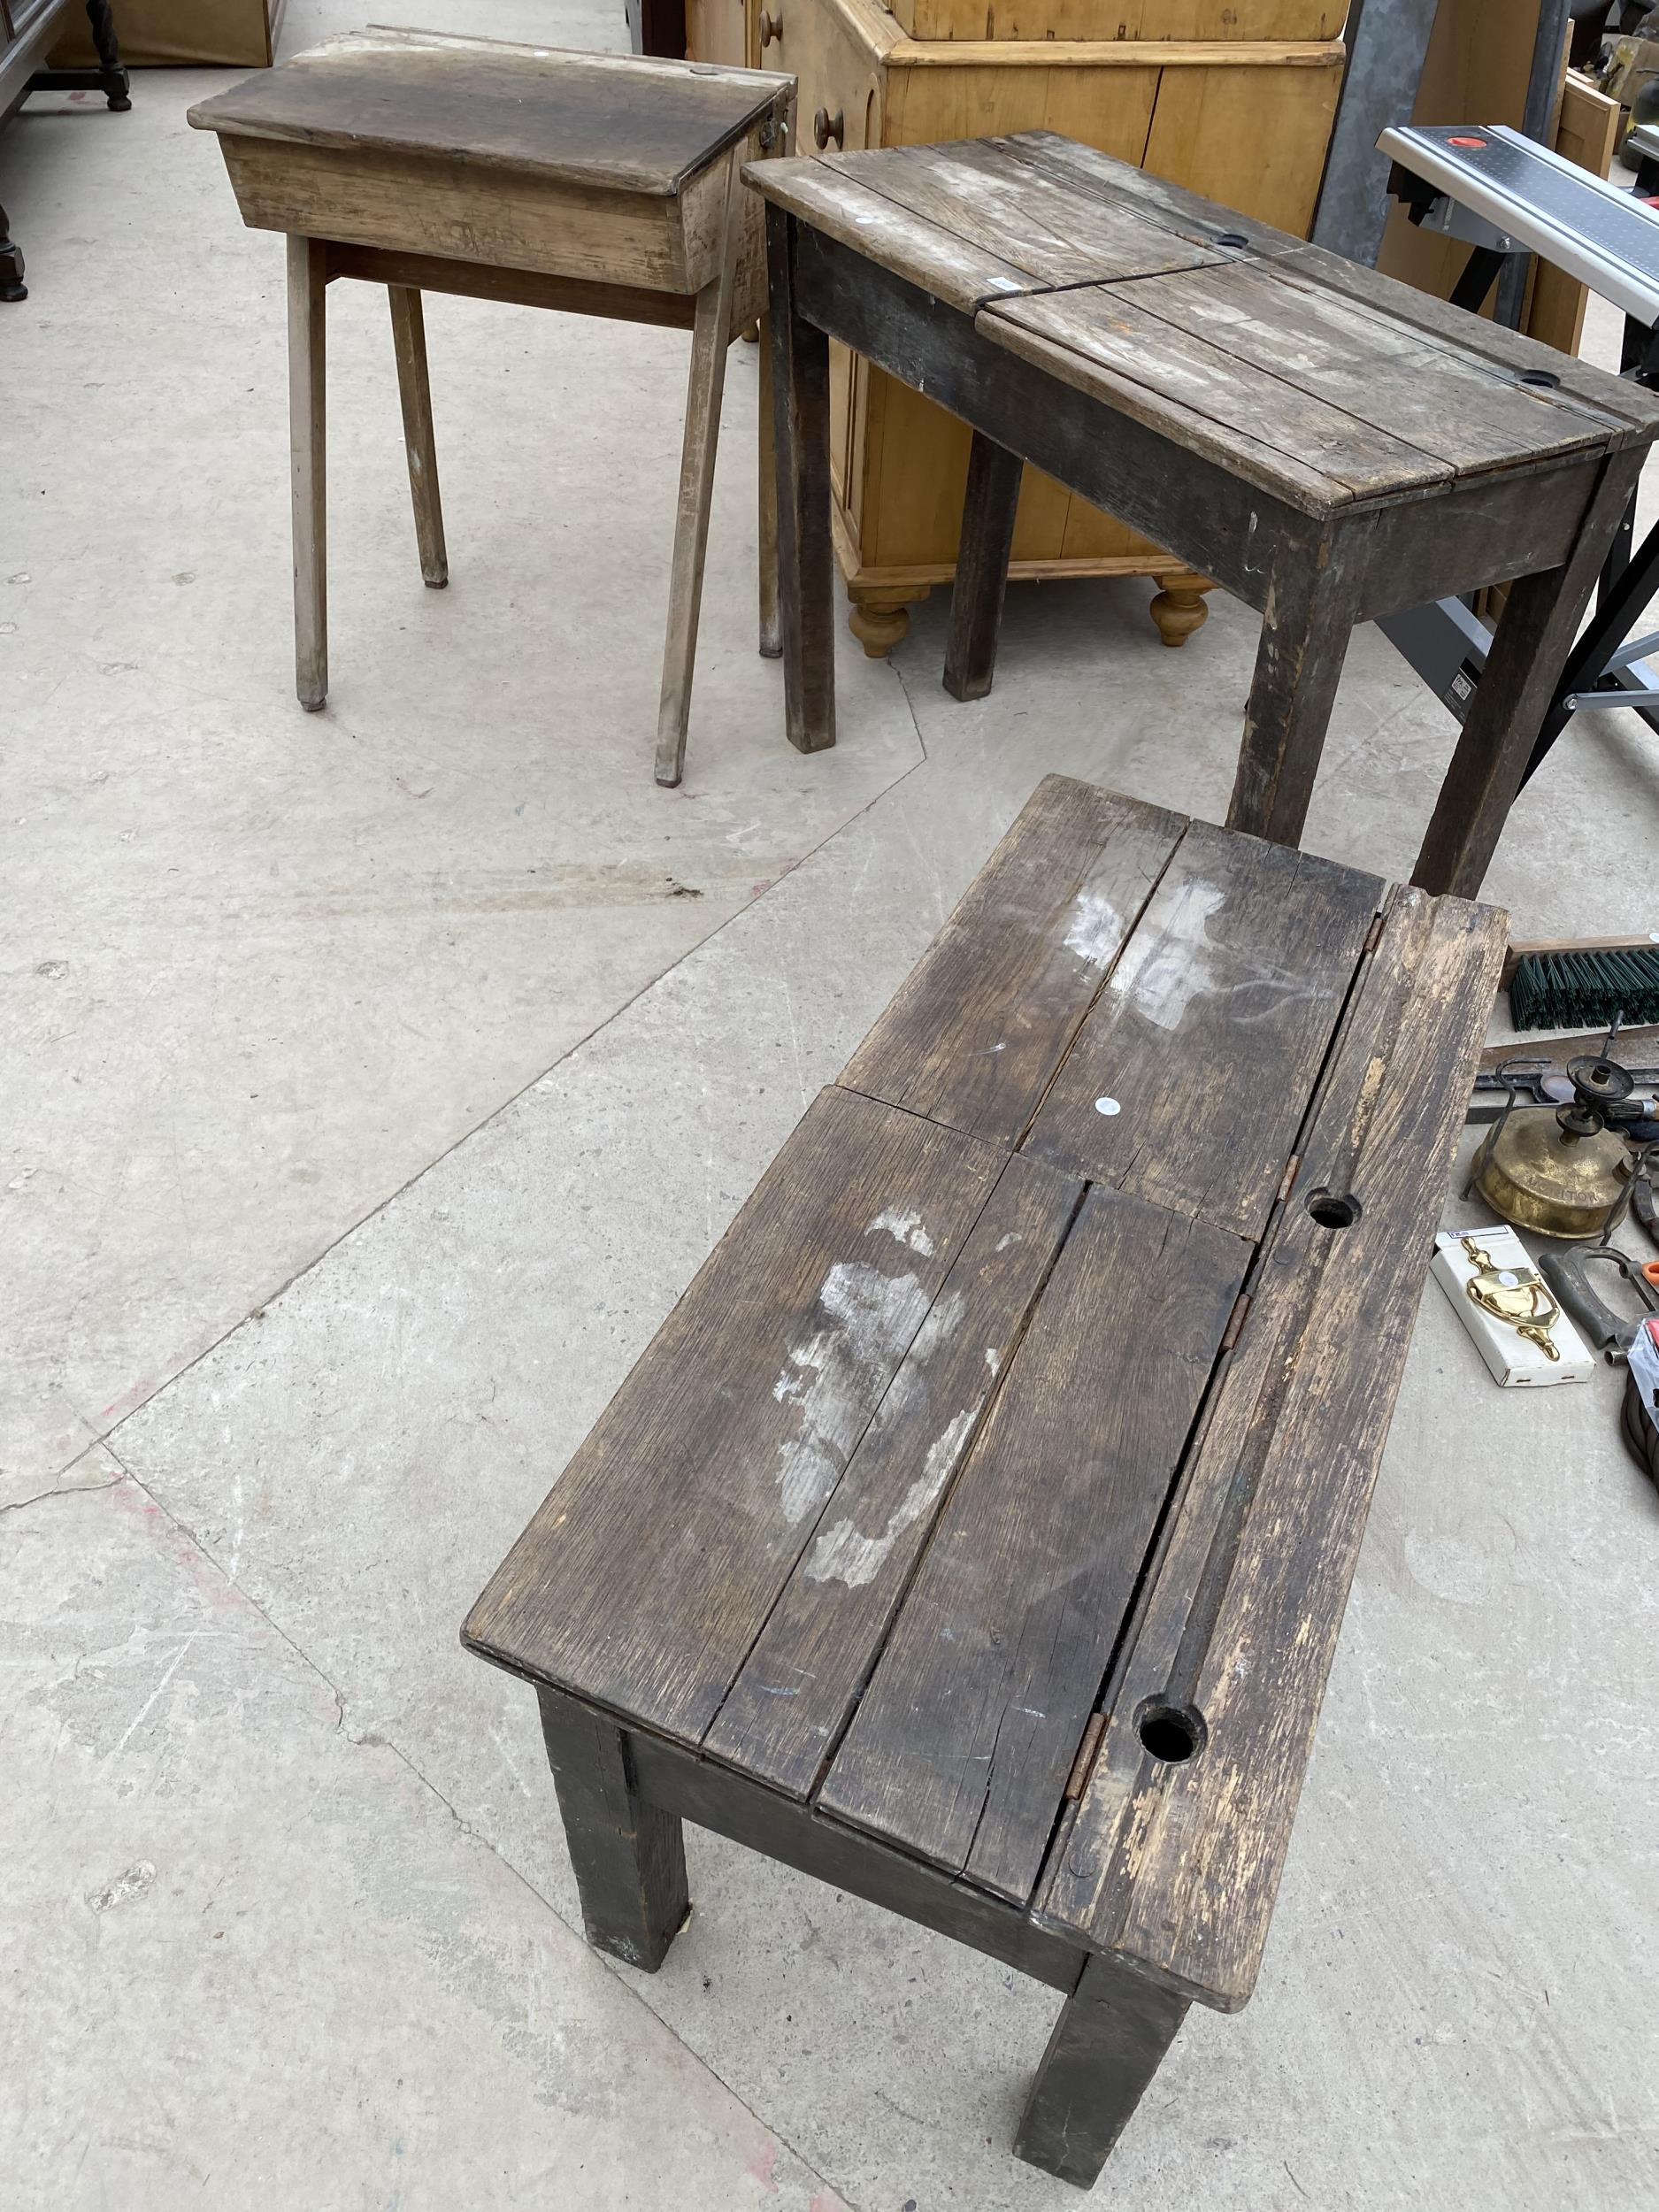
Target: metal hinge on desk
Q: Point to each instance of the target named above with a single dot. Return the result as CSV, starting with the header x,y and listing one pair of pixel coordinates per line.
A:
x,y
1083,1765
1235,1320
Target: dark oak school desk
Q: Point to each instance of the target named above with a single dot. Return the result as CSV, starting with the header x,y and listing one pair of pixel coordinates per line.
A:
x,y
976,1531
1328,444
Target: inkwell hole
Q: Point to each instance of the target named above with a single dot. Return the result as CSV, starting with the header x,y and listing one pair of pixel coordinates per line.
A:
x,y
1170,1733
1334,1209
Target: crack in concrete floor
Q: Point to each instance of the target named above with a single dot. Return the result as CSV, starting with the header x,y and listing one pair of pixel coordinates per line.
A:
x,y
373,1740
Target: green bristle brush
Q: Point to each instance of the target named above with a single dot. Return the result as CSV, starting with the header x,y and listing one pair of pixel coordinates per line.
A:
x,y
1588,985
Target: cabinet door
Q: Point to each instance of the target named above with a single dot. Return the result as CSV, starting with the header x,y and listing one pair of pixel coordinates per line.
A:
x,y
716,31
1253,137
924,451
836,62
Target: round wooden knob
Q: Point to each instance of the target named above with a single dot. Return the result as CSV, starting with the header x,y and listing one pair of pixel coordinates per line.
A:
x,y
771,27
825,126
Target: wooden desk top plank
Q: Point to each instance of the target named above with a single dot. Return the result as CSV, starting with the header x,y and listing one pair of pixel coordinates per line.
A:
x,y
980,190
789,1707
961,271
1453,404
973,1037
1086,171
617,121
1325,383
1175,1866
962,1744
650,1568
1210,1029
1594,391
1590,390
1295,445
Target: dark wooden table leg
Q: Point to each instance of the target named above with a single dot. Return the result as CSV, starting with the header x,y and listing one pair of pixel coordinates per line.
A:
x,y
977,596
1312,603
112,75
806,558
1105,2048
1528,651
12,284
770,636
629,1857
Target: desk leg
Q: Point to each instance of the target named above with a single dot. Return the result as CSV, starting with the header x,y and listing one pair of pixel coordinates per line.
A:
x,y
806,559
1106,2047
308,283
12,284
408,339
1312,601
629,1857
981,585
112,75
771,630
1528,651
711,339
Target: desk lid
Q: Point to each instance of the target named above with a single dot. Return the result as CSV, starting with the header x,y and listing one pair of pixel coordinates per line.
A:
x,y
1325,383
623,122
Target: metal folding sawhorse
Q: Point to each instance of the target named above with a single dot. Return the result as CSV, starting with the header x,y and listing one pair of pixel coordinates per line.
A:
x,y
1505,195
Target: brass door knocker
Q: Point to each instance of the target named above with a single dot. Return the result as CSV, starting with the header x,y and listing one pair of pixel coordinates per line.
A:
x,y
1515,1294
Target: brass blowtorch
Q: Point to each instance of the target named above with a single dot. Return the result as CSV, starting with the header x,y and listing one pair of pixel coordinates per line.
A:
x,y
1564,1170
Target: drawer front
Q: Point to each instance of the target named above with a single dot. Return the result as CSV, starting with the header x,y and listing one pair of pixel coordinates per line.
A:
x,y
1025,19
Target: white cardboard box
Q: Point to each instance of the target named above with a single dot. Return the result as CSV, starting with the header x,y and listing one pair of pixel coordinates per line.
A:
x,y
1515,1360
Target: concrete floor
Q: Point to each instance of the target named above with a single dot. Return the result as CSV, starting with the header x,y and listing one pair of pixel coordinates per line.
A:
x,y
384,1076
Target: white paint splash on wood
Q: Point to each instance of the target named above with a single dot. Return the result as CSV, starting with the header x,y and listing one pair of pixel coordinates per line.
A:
x,y
1097,929
1164,969
865,1321
841,1555
903,1229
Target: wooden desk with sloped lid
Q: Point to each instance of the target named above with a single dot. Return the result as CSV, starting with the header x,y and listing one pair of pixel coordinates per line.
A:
x,y
976,1531
596,184
1327,445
